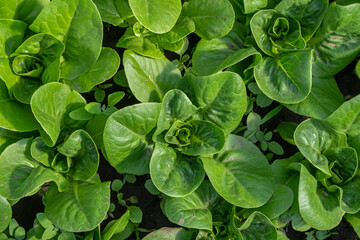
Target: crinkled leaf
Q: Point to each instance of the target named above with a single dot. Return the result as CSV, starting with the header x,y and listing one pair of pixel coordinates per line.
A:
x,y
125,142
309,13
275,34
159,16
286,78
324,98
51,105
105,67
318,207
22,176
79,28
80,208
193,211
83,152
150,79
175,174
337,41
221,98
313,137
213,19
241,174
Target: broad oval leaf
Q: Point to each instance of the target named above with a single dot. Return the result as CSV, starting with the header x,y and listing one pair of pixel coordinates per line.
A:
x,y
159,16
318,207
85,157
80,208
169,234
80,29
221,98
150,79
105,67
313,137
286,78
51,105
15,116
5,213
193,211
350,201
125,142
95,127
337,41
241,174
324,98
213,19
175,174
21,175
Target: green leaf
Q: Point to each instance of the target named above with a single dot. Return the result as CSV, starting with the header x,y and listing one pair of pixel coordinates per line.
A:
x,y
149,185
135,214
286,78
12,34
213,19
80,114
250,228
350,201
221,98
276,148
116,185
149,79
83,152
349,124
66,236
141,45
337,41
275,34
169,234
286,131
357,69
280,202
24,10
15,116
241,174
78,209
115,97
309,13
8,137
175,174
212,56
108,11
44,221
5,213
125,141
206,138
105,67
51,105
193,211
354,220
93,108
120,78
41,152
313,137
324,98
80,29
99,95
115,226
159,16
22,176
319,208
95,127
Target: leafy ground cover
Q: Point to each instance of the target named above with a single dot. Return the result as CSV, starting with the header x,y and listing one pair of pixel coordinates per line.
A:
x,y
198,119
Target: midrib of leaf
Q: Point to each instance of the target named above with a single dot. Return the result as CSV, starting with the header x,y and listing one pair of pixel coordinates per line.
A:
x,y
76,195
